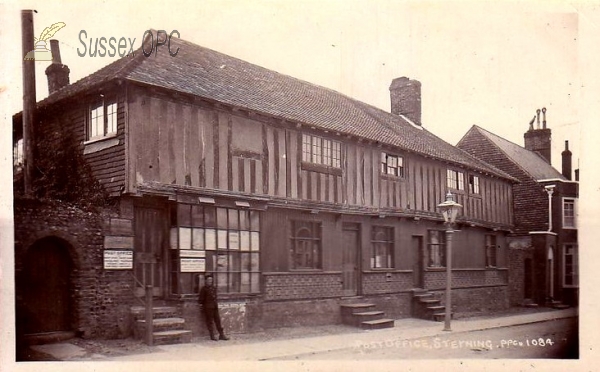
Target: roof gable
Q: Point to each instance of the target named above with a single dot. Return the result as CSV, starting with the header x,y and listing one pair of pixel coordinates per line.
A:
x,y
530,162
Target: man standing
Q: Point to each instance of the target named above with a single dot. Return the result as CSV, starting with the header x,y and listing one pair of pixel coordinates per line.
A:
x,y
208,300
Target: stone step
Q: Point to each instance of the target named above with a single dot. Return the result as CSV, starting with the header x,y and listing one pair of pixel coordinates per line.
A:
x,y
430,301
162,324
349,309
358,318
422,295
436,308
440,317
560,306
172,337
377,324
139,312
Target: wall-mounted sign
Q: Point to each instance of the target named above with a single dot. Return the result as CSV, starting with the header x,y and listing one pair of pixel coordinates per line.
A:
x,y
118,260
192,265
192,253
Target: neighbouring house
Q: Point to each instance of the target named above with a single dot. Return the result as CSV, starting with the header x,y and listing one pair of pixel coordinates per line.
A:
x,y
543,250
298,198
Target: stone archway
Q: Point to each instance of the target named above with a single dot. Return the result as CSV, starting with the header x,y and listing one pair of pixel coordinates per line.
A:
x,y
46,287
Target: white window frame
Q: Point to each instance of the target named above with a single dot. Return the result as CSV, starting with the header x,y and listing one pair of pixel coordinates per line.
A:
x,y
566,225
102,120
322,151
455,180
392,165
474,185
575,273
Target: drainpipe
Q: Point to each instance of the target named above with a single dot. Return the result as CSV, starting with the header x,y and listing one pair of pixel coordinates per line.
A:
x,y
550,190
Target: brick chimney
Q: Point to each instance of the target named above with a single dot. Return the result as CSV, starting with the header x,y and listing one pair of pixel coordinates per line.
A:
x,y
538,139
58,74
566,161
405,95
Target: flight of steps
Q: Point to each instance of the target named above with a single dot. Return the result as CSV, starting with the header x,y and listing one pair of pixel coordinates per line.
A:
x,y
426,305
357,313
169,328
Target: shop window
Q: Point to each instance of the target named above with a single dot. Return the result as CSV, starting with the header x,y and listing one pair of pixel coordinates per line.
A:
x,y
221,241
306,245
382,242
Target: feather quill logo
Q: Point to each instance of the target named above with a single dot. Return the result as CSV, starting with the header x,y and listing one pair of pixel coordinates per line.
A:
x,y
41,52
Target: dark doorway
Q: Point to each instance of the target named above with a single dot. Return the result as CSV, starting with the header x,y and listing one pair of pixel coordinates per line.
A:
x,y
350,249
528,278
46,287
149,243
418,261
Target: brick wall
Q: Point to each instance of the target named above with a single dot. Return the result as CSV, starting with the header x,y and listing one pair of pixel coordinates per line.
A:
x,y
302,285
466,278
386,282
100,299
520,249
465,300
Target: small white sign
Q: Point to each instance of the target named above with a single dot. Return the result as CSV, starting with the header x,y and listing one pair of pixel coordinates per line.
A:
x,y
192,265
192,253
118,260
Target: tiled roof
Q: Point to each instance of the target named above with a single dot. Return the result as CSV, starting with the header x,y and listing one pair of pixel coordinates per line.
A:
x,y
527,160
215,76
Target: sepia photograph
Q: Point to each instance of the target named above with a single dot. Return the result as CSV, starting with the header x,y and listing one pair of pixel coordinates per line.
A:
x,y
306,185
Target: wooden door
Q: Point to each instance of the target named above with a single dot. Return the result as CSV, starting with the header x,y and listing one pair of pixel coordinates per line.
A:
x,y
150,249
47,287
418,262
350,263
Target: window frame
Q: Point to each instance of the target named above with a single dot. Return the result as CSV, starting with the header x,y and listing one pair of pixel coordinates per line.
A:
x,y
455,180
306,244
387,244
575,266
385,165
573,202
437,249
321,151
474,184
491,250
110,123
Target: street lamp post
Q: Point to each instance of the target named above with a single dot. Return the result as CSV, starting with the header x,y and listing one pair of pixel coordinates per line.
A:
x,y
449,210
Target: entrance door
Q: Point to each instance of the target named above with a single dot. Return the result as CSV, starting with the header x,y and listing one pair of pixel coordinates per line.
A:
x,y
47,287
418,262
350,269
150,249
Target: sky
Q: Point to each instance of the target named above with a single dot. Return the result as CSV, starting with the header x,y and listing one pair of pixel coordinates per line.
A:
x,y
490,64
479,62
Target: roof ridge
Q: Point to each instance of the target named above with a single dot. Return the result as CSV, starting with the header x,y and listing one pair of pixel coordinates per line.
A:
x,y
489,134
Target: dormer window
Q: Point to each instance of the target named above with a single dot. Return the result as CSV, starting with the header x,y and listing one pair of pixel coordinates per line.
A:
x,y
102,120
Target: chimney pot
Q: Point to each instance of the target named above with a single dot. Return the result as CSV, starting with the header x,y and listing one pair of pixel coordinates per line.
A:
x,y
566,161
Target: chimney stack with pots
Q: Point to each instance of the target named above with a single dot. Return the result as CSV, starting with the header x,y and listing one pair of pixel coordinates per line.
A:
x,y
57,73
538,139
